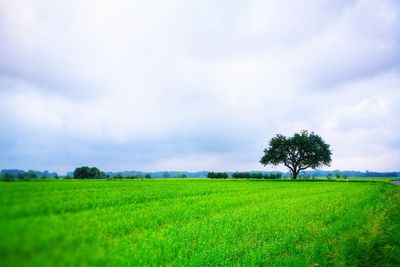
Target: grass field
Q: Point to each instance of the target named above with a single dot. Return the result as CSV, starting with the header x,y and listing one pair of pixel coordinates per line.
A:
x,y
191,222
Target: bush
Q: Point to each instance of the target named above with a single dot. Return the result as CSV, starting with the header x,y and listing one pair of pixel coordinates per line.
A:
x,y
217,175
88,173
6,177
249,175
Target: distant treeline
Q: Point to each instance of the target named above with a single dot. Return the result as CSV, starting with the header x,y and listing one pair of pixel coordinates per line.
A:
x,y
204,174
13,174
319,173
217,175
160,174
93,172
256,175
244,175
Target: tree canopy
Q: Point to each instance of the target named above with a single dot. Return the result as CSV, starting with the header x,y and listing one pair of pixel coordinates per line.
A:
x,y
217,175
88,173
301,151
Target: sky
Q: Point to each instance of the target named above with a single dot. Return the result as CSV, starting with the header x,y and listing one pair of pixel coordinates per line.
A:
x,y
196,85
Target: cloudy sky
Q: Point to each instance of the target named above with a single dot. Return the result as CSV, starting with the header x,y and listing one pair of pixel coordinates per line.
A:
x,y
196,85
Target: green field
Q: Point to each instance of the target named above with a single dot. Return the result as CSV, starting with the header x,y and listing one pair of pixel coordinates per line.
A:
x,y
191,222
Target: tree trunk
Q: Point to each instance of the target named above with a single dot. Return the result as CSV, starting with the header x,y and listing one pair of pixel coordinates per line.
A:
x,y
295,173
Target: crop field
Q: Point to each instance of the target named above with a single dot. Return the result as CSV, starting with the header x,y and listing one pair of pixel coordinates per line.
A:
x,y
199,222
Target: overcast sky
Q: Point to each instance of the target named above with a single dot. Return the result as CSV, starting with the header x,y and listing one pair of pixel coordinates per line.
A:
x,y
196,85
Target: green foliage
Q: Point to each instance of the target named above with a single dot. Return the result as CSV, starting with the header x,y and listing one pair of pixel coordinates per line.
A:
x,y
302,151
254,175
6,177
132,177
189,222
118,176
217,175
11,175
88,173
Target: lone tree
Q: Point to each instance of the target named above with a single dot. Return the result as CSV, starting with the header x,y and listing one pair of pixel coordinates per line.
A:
x,y
302,151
